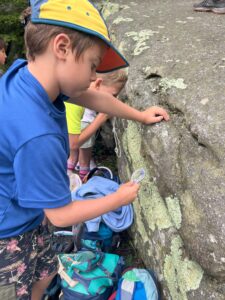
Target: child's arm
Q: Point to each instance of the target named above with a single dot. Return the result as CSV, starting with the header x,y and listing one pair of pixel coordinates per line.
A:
x,y
80,211
106,103
92,128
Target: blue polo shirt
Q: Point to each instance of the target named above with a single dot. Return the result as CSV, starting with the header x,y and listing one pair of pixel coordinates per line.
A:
x,y
33,152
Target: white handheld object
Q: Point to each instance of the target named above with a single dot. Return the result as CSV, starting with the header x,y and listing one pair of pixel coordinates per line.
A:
x,y
138,175
63,233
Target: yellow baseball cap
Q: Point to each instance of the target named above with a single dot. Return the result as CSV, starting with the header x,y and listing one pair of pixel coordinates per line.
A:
x,y
83,16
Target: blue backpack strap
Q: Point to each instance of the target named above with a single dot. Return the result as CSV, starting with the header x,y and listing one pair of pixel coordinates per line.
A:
x,y
87,281
69,295
117,271
107,273
99,258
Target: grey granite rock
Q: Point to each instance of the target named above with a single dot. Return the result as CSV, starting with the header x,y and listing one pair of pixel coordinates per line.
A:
x,y
177,60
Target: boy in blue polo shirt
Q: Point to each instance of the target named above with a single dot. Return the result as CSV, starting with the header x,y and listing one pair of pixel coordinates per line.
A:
x,y
66,42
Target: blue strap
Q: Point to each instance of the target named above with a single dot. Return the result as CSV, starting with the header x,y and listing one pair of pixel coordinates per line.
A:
x,y
87,281
92,265
107,273
81,278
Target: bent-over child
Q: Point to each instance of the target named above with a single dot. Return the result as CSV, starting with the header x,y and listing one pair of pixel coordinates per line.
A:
x,y
111,83
74,114
83,123
66,43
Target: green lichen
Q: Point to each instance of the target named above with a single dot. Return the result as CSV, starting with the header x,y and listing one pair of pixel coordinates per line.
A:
x,y
139,223
173,206
150,201
167,83
122,46
109,8
140,38
182,275
124,6
190,210
121,19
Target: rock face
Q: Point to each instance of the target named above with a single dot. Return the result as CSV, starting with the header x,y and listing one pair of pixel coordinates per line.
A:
x,y
177,60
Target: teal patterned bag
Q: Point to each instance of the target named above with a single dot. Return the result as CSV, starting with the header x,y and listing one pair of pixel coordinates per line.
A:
x,y
89,275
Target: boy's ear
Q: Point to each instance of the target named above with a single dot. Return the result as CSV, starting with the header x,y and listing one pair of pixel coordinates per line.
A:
x,y
61,45
98,83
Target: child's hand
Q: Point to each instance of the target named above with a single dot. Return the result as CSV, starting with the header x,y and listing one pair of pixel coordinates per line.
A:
x,y
128,192
154,114
102,117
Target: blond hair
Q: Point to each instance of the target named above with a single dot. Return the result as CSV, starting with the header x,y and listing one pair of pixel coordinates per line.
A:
x,y
114,77
25,16
38,36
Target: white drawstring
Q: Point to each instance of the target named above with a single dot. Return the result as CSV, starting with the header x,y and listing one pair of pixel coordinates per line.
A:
x,y
117,141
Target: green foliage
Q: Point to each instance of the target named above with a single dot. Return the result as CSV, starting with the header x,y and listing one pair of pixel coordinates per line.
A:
x,y
8,23
10,27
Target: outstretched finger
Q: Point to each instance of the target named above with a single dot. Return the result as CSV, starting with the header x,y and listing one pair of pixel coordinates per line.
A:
x,y
157,119
162,112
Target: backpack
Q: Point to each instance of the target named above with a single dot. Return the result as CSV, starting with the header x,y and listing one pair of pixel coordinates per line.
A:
x,y
137,284
61,242
104,239
88,275
103,172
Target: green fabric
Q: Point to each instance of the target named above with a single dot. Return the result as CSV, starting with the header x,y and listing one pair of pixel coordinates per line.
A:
x,y
130,276
90,244
81,260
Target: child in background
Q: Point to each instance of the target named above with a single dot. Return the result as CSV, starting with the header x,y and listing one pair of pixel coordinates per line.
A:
x,y
3,55
66,42
74,114
80,141
111,83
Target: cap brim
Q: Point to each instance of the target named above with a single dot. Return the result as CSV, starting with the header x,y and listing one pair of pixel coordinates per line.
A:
x,y
112,61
